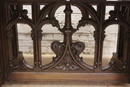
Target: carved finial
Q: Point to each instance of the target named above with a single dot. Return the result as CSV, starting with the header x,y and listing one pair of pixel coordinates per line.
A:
x,y
68,12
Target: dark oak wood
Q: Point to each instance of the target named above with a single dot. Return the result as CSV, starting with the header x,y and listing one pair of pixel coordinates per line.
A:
x,y
67,65
68,77
2,79
1,49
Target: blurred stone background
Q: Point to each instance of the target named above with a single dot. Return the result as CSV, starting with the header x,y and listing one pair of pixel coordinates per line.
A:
x,y
84,34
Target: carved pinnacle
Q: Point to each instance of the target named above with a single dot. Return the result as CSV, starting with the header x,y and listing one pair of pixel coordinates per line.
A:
x,y
68,12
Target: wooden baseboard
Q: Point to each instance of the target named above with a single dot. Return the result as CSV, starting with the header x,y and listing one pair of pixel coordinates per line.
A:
x,y
68,77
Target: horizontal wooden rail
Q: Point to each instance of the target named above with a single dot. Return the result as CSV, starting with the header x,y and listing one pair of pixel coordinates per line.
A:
x,y
68,77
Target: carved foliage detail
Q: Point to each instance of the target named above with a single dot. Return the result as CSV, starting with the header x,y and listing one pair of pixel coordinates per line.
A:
x,y
116,14
58,48
82,22
67,63
78,48
20,14
55,23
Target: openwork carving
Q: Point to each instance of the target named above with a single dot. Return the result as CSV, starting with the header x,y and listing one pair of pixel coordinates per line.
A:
x,y
116,14
67,64
58,48
68,52
21,14
77,49
55,23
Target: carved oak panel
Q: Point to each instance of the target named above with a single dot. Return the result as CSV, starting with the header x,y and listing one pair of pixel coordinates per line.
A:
x,y
68,52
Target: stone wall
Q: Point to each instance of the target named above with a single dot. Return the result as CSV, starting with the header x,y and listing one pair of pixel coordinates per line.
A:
x,y
85,34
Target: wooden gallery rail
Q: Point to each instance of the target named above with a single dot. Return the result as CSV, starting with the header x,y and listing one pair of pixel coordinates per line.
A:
x,y
67,65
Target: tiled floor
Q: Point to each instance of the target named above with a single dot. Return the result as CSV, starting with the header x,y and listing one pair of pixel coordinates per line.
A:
x,y
63,85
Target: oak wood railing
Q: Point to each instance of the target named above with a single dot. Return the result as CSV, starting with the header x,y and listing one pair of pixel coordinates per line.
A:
x,y
67,65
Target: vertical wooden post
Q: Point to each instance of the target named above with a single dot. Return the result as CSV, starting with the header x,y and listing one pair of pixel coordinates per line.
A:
x,y
101,12
128,56
1,48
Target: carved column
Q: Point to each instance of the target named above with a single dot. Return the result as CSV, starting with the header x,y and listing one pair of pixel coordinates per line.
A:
x,y
101,12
